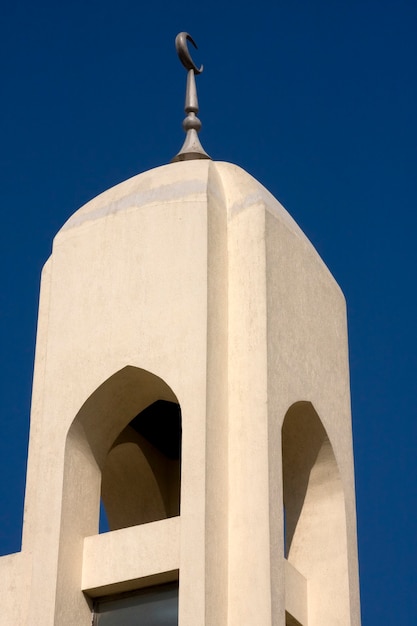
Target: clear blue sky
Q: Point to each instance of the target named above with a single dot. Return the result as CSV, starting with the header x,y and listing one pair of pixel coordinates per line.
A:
x,y
317,100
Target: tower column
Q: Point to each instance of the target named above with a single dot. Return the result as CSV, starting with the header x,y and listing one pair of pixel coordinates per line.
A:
x,y
190,287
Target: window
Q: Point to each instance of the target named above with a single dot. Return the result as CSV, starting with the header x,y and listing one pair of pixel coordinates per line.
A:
x,y
154,606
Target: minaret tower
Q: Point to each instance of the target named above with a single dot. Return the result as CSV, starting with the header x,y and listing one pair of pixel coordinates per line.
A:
x,y
191,373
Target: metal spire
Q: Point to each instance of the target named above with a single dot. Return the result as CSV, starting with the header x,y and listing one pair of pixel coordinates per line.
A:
x,y
192,148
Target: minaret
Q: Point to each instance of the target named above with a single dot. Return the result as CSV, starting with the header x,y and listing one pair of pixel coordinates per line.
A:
x,y
191,373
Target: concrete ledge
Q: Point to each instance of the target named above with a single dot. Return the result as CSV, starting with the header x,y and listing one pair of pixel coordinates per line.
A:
x,y
296,594
131,558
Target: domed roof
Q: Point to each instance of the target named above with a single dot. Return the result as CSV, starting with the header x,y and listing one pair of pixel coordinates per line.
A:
x,y
186,181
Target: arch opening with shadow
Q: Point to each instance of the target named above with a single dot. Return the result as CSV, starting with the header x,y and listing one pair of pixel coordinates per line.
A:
x,y
124,450
141,473
315,516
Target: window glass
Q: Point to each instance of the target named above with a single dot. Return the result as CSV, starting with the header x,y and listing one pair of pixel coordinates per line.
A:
x,y
157,606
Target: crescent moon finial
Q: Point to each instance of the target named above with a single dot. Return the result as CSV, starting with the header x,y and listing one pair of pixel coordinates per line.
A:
x,y
183,52
192,148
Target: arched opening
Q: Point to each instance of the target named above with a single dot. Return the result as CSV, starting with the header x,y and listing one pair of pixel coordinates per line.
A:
x,y
116,449
141,473
129,431
315,519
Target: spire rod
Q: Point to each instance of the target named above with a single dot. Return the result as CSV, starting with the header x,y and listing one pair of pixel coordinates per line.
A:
x,y
192,148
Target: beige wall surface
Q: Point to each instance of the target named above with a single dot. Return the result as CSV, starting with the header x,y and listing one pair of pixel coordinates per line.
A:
x,y
190,283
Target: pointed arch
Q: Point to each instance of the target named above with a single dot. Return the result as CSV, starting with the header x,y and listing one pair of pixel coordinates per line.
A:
x,y
315,516
110,451
118,445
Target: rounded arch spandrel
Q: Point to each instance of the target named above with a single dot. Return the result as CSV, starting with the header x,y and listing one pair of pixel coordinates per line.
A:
x,y
315,515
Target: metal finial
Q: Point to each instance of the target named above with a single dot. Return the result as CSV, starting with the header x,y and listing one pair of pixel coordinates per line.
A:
x,y
192,148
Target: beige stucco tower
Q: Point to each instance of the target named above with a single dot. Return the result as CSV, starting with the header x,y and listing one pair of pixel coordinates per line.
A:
x,y
192,372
